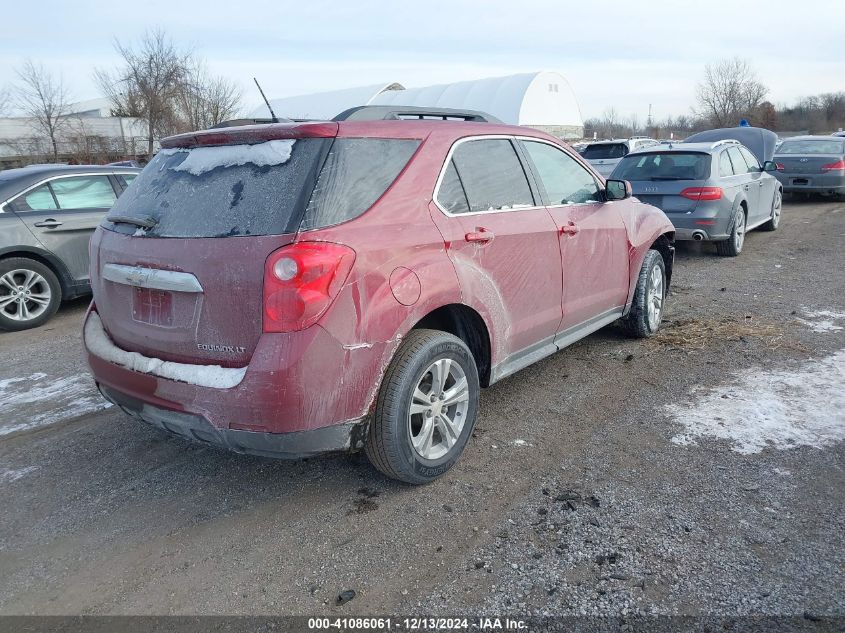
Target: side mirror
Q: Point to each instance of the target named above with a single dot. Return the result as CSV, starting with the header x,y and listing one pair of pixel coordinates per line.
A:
x,y
618,190
770,165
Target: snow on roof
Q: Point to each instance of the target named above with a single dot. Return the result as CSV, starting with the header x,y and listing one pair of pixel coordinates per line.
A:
x,y
324,105
539,98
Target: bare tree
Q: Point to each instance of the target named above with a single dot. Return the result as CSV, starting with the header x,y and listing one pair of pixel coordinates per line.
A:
x,y
203,100
610,121
5,101
44,98
729,91
148,83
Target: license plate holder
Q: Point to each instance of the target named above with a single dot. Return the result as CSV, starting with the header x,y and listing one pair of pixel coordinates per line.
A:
x,y
152,306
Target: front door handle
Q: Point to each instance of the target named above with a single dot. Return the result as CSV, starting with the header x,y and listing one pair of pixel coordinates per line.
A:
x,y
48,224
570,229
480,235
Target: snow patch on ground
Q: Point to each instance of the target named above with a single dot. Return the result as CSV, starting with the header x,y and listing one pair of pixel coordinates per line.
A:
x,y
520,443
13,474
203,159
99,344
823,320
779,409
38,400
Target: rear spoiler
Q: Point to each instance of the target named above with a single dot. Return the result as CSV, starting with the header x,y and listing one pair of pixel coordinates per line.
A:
x,y
252,134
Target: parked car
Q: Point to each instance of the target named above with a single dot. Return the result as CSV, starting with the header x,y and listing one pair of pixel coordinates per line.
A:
x,y
812,164
47,216
839,133
604,156
299,288
711,190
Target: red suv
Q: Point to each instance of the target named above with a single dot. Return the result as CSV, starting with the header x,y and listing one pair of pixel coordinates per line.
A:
x,y
299,288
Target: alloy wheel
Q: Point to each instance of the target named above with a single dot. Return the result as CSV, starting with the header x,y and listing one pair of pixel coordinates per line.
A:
x,y
438,410
654,300
24,295
739,230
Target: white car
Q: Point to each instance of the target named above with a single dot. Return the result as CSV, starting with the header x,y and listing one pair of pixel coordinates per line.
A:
x,y
605,155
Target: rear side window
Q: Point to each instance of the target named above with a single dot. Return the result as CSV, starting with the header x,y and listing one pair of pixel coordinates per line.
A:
x,y
39,199
725,167
565,181
492,175
451,195
223,191
356,173
605,150
664,166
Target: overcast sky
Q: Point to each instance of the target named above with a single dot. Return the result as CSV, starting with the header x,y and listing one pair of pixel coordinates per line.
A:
x,y
618,53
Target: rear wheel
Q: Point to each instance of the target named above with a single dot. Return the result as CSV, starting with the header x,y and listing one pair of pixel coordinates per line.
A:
x,y
30,293
777,205
426,408
732,246
643,320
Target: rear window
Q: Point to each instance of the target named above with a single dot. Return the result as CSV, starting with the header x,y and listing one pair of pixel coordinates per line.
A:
x,y
664,166
811,147
268,188
605,150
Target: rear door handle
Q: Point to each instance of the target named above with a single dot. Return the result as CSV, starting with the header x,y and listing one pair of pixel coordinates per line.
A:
x,y
480,235
570,229
48,224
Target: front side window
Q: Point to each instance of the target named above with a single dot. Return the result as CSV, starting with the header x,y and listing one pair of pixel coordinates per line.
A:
x,y
741,165
725,167
39,199
750,159
84,192
565,181
492,175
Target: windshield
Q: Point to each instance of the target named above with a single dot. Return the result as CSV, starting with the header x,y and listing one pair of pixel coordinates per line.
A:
x,y
810,146
664,166
605,150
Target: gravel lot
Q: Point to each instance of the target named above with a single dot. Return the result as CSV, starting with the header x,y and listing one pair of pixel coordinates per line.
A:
x,y
700,472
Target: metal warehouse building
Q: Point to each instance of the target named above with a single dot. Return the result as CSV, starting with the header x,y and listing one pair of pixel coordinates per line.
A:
x,y
542,100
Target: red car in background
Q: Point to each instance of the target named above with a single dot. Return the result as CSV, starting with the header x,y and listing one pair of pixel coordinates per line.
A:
x,y
298,288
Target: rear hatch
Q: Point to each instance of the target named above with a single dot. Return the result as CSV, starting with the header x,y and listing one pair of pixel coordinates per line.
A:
x,y
178,263
671,181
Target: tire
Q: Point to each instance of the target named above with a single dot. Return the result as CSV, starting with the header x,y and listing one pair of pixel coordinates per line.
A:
x,y
732,246
777,208
396,443
42,293
650,292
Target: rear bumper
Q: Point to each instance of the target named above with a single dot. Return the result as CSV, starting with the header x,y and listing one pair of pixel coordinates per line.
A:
x,y
303,393
336,438
814,183
706,223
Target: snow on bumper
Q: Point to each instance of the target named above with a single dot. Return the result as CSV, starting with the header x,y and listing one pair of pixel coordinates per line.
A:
x,y
214,376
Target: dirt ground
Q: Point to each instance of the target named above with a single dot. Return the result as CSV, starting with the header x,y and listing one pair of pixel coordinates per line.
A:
x,y
699,472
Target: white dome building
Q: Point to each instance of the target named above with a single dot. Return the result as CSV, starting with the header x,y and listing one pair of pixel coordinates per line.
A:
x,y
542,100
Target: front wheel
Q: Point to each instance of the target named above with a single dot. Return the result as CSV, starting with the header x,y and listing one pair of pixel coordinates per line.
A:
x,y
732,246
426,408
643,320
777,207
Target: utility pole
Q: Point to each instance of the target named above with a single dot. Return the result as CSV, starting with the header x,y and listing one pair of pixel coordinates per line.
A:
x,y
648,122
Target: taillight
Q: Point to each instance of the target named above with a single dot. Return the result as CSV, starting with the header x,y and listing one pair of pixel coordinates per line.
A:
x,y
780,166
837,166
702,193
301,281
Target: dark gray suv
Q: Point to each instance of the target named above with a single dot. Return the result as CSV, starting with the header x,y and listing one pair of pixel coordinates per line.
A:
x,y
714,190
47,216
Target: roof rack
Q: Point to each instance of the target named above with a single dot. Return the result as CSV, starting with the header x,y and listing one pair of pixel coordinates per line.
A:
x,y
412,113
724,141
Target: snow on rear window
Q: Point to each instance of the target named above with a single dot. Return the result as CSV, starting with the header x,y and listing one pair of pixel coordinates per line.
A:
x,y
225,191
200,160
